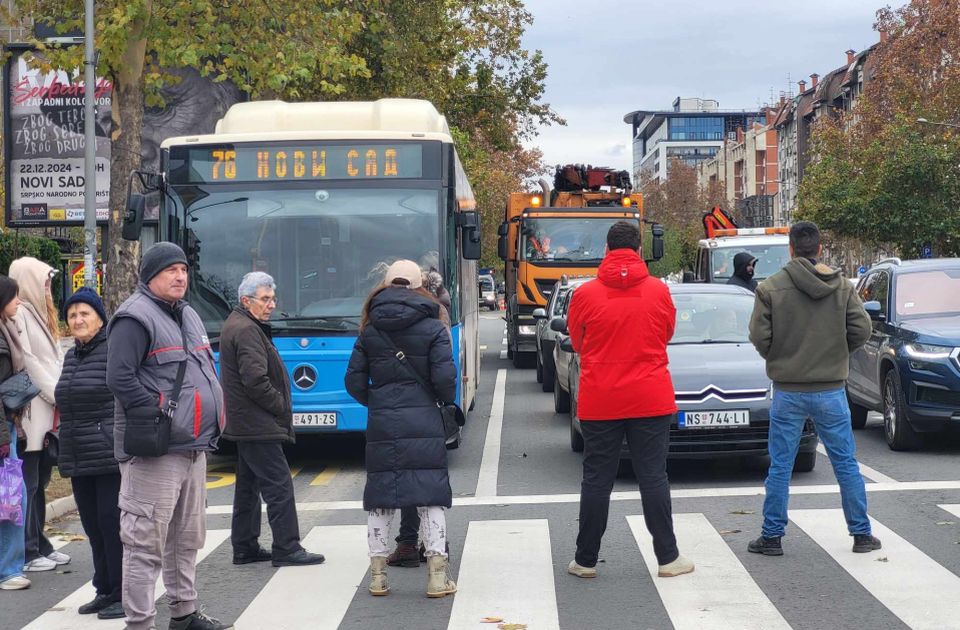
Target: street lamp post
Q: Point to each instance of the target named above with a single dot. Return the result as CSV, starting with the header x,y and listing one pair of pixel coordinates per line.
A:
x,y
89,156
939,124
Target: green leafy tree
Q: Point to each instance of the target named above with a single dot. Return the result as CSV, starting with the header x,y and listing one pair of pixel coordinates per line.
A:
x,y
276,48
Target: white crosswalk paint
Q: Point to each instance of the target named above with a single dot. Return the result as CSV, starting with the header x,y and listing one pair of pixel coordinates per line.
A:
x,y
868,473
503,354
490,462
953,508
912,585
720,593
64,616
525,594
314,596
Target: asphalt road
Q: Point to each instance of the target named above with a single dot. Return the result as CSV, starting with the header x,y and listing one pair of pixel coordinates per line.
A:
x,y
513,527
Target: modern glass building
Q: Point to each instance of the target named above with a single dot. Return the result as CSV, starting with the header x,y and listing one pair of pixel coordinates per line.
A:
x,y
694,130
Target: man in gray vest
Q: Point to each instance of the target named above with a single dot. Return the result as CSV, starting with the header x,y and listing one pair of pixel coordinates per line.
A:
x,y
163,499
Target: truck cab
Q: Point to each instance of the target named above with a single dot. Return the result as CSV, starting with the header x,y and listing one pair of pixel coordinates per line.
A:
x,y
770,246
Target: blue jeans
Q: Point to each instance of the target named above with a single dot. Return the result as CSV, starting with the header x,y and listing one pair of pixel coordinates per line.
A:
x,y
831,417
12,551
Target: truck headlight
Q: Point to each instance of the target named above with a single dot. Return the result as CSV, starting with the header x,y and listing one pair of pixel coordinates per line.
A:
x,y
926,351
527,330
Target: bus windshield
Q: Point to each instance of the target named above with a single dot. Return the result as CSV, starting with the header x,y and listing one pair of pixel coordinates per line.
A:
x,y
566,240
326,249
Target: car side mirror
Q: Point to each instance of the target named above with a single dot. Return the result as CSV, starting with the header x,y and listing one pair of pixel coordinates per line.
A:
x,y
873,310
539,313
566,345
559,325
689,277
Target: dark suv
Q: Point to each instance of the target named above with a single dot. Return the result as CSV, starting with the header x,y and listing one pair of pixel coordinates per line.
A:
x,y
910,368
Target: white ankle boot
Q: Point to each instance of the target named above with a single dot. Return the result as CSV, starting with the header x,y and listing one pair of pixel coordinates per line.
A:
x,y
439,583
378,577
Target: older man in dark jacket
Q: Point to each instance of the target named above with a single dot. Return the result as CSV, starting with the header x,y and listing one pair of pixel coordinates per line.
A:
x,y
260,421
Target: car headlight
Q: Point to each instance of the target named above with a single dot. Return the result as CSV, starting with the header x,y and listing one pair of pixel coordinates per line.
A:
x,y
527,330
926,351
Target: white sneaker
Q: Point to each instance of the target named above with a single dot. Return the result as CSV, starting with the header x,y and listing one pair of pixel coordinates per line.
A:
x,y
40,564
59,557
16,583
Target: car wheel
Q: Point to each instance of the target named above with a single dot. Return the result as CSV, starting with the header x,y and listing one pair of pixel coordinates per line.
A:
x,y
805,462
539,368
899,434
549,372
561,399
576,438
858,414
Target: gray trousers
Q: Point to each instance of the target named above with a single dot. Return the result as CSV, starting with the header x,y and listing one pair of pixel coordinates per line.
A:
x,y
162,526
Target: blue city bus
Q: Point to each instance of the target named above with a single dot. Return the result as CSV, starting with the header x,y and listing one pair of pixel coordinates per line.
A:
x,y
322,196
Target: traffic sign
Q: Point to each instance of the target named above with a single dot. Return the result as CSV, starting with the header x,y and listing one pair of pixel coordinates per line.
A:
x,y
926,251
862,270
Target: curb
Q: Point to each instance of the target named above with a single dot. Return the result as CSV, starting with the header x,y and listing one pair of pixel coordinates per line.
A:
x,y
60,507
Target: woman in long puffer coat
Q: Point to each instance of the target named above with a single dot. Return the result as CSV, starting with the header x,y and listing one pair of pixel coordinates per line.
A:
x,y
406,456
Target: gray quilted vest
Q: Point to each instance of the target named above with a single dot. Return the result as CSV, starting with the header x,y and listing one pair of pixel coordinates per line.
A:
x,y
198,419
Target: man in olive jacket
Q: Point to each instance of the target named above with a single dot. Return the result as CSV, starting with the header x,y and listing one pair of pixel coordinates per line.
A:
x,y
260,420
806,321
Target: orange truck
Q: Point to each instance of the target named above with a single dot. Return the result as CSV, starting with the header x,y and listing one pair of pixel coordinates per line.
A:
x,y
563,231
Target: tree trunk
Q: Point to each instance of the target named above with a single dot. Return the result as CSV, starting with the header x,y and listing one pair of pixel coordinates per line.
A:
x,y
123,257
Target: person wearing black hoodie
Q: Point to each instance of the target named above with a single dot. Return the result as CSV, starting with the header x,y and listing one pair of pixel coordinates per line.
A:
x,y
743,268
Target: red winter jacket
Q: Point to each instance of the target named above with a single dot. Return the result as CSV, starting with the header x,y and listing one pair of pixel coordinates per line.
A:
x,y
620,324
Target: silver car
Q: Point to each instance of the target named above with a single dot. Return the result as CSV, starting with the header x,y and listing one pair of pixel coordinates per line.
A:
x,y
722,390
546,336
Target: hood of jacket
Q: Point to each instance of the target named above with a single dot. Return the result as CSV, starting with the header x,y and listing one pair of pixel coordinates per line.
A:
x,y
622,268
817,281
740,262
396,308
32,274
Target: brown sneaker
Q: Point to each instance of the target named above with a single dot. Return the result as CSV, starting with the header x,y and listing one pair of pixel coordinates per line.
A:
x,y
678,567
581,572
405,555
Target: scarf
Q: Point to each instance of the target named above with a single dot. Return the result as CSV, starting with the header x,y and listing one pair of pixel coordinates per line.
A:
x,y
10,332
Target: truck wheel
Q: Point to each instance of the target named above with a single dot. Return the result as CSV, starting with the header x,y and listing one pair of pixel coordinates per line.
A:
x,y
523,360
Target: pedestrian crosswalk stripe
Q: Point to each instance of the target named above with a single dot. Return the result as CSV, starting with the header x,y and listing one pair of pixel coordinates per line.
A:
x,y
908,582
719,593
950,507
316,596
64,615
494,582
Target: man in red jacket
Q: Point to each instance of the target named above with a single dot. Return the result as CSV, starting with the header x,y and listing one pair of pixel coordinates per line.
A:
x,y
620,324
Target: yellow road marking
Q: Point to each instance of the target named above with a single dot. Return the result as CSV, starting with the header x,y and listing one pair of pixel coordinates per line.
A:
x,y
295,471
326,476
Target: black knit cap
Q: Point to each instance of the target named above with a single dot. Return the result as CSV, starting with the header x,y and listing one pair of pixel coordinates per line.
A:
x,y
158,257
87,296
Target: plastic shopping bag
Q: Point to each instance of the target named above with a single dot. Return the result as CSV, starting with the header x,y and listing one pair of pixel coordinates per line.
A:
x,y
11,490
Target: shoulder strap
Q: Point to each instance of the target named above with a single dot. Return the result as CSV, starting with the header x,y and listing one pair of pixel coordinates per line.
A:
x,y
402,358
181,372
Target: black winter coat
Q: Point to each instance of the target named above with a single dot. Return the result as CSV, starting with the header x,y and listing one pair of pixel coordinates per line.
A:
x,y
406,455
86,411
256,387
740,277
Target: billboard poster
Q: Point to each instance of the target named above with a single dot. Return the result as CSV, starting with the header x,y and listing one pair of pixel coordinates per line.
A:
x,y
44,143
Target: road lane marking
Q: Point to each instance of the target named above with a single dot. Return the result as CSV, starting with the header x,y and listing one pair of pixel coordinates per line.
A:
x,y
225,475
719,593
909,583
867,472
523,594
64,615
295,471
950,507
688,493
482,348
490,463
315,596
325,477
503,354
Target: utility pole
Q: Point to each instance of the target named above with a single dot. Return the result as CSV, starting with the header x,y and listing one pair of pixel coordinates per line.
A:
x,y
89,155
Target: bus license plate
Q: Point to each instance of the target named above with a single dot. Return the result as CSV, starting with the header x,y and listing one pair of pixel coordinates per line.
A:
x,y
712,419
319,419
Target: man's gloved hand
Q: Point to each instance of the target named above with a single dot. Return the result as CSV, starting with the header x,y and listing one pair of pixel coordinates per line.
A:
x,y
4,451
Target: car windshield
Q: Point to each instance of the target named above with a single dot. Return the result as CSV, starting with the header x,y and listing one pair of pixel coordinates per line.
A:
x,y
770,260
712,318
326,249
565,239
486,283
928,294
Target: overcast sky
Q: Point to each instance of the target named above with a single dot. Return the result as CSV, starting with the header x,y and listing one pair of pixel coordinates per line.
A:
x,y
607,58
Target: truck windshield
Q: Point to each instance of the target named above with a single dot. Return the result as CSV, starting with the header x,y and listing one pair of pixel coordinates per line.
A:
x,y
770,260
326,249
562,239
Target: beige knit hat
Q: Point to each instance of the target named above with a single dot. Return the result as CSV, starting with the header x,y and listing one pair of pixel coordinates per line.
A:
x,y
406,270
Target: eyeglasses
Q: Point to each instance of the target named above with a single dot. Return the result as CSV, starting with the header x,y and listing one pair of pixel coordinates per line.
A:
x,y
267,300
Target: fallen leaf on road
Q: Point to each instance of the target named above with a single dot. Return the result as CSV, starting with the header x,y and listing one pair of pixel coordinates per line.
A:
x,y
882,559
491,620
743,512
946,522
512,626
729,531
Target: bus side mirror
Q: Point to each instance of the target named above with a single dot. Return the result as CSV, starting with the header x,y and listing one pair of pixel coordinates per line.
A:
x,y
502,232
133,221
656,245
469,223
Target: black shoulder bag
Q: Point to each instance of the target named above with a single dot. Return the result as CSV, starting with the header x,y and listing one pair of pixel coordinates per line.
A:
x,y
451,414
147,432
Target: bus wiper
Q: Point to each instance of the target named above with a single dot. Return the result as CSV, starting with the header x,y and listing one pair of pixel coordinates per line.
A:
x,y
317,323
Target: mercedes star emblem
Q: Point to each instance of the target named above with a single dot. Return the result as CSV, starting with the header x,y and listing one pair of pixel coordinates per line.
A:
x,y
304,377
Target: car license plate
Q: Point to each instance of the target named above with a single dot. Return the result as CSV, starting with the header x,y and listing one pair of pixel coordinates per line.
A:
x,y
712,419
318,419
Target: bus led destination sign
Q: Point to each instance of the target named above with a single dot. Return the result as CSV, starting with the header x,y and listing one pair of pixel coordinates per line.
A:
x,y
301,161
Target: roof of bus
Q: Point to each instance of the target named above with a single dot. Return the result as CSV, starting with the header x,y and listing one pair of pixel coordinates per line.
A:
x,y
387,119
